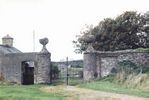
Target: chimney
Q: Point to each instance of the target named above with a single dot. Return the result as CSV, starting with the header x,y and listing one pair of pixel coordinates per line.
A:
x,y
7,41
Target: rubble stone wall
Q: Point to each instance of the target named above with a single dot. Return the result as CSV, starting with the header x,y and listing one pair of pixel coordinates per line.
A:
x,y
99,64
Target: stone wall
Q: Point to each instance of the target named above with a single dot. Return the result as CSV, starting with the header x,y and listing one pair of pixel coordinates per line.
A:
x,y
11,66
99,64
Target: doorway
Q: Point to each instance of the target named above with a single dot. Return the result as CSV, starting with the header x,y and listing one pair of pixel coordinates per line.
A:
x,y
27,72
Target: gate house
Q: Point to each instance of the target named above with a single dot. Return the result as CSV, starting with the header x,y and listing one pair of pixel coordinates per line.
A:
x,y
24,68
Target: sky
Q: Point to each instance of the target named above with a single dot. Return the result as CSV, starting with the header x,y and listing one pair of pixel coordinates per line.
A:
x,y
58,20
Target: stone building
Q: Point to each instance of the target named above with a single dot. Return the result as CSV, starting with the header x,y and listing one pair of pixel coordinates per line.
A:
x,y
24,68
98,64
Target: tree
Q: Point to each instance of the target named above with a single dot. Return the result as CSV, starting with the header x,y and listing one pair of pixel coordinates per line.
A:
x,y
117,34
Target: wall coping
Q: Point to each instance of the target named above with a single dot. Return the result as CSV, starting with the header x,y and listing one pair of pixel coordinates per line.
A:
x,y
116,52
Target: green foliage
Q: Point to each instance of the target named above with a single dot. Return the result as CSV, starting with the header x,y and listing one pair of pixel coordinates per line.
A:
x,y
129,67
30,92
75,81
132,75
107,84
35,92
143,49
55,71
126,31
77,66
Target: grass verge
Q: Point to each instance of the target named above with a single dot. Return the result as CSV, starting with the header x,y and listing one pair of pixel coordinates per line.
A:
x,y
29,92
109,85
34,92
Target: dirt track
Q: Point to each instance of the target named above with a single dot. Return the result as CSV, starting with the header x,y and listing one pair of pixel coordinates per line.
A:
x,y
88,94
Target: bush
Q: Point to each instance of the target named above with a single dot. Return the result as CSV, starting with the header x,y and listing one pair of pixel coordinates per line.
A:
x,y
54,72
129,67
132,75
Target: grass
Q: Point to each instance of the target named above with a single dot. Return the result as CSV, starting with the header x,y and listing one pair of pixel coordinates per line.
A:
x,y
38,92
110,86
71,81
143,49
34,92
107,84
29,92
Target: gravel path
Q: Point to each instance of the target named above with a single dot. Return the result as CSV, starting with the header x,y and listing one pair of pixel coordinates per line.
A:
x,y
88,94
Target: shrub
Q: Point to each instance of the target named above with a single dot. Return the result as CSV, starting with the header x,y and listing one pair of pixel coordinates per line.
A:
x,y
54,72
130,67
132,75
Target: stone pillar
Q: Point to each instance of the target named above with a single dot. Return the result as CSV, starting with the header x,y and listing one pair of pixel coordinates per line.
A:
x,y
43,65
89,72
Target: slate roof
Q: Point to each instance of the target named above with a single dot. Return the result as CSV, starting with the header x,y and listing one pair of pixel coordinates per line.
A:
x,y
7,49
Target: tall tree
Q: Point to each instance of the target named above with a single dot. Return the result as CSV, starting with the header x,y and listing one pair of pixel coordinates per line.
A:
x,y
126,31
